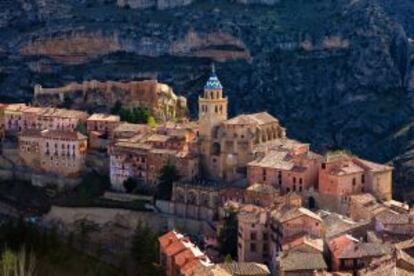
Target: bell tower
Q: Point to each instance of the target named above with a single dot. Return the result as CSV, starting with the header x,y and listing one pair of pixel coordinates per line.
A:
x,y
212,106
212,110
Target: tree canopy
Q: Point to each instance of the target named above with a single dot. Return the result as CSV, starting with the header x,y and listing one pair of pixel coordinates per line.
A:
x,y
168,176
228,235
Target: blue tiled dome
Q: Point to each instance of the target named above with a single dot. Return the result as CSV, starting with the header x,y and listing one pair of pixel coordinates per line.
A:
x,y
213,82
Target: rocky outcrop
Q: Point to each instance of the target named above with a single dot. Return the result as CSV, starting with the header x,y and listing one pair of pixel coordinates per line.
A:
x,y
338,74
72,48
218,46
159,4
159,98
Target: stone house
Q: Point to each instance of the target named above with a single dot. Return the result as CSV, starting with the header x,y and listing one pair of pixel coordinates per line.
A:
x,y
288,223
60,119
100,127
342,175
394,223
13,117
301,264
143,156
365,207
179,256
128,130
253,234
53,151
285,164
358,255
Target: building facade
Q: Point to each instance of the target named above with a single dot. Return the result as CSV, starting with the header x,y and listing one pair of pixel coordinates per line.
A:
x,y
227,145
286,165
53,151
143,156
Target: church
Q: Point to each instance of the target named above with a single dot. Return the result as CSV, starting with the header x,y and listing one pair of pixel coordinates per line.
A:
x,y
228,145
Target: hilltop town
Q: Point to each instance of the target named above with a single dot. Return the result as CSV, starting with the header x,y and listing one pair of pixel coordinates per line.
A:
x,y
294,211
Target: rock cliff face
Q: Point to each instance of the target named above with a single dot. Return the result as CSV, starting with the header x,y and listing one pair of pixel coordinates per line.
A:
x,y
159,4
338,74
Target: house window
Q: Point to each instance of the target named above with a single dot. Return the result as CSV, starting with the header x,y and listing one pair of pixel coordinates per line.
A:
x,y
264,174
294,180
253,247
323,166
353,181
253,236
265,236
363,178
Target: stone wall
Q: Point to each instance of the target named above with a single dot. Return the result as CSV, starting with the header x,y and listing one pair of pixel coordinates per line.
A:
x,y
159,98
128,219
11,167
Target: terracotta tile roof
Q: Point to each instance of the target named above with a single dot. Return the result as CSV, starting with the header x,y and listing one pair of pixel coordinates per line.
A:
x,y
64,113
174,248
30,133
104,117
262,188
344,164
127,127
168,238
184,257
371,166
53,134
391,217
338,245
252,213
189,267
252,119
63,134
317,244
280,160
337,225
284,215
300,261
244,268
362,250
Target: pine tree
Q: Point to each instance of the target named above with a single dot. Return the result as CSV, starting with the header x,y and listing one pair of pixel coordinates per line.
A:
x,y
228,235
168,176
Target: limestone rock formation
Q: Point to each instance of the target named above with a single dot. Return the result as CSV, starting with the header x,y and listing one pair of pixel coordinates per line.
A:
x,y
159,98
338,74
159,4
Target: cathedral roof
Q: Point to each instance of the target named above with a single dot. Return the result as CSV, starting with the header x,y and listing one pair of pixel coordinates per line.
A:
x,y
252,119
213,82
